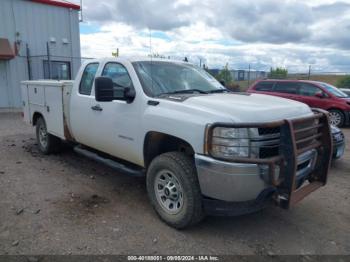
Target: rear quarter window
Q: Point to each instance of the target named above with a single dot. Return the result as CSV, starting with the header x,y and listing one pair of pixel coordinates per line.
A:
x,y
264,86
87,79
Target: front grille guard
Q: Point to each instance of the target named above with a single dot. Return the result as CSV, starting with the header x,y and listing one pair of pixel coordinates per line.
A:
x,y
292,145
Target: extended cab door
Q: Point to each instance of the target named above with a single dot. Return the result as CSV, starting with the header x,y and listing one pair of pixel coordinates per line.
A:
x,y
80,105
116,123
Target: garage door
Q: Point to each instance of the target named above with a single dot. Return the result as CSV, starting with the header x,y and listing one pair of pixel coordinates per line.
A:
x,y
4,97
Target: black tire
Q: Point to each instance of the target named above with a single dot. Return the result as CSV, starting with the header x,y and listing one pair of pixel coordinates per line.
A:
x,y
49,144
182,166
336,117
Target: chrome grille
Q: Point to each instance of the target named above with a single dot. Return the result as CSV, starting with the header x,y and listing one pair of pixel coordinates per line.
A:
x,y
267,143
305,130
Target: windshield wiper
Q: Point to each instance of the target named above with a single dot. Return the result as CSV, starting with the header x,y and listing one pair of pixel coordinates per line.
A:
x,y
185,91
219,91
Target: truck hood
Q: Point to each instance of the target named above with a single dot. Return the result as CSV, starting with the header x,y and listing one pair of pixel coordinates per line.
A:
x,y
244,107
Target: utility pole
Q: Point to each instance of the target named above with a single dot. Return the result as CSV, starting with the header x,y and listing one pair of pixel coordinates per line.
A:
x,y
309,72
249,75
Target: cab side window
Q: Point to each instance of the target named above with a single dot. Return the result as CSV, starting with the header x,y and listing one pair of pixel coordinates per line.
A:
x,y
264,86
120,77
309,90
87,79
118,74
286,87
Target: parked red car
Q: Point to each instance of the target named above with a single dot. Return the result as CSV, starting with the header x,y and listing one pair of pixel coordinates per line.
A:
x,y
313,93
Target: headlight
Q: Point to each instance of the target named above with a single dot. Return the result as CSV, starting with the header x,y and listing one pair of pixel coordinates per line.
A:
x,y
231,142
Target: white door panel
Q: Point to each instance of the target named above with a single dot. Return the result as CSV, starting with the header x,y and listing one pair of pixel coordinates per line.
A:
x,y
116,128
81,121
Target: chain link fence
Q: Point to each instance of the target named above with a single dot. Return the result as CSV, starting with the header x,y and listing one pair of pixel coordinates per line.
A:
x,y
241,79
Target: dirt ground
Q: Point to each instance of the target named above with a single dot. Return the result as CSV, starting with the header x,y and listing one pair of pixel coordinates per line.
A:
x,y
67,204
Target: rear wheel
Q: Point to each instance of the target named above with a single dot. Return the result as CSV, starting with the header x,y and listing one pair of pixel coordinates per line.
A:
x,y
47,143
174,191
336,117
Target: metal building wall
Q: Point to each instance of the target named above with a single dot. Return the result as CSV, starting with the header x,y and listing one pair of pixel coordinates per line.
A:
x,y
34,24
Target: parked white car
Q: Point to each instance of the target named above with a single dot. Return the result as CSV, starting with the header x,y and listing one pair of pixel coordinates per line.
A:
x,y
202,149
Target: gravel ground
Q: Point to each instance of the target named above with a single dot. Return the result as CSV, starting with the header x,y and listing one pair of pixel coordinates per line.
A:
x,y
67,204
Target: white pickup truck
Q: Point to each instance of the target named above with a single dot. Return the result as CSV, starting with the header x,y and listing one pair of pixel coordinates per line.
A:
x,y
203,149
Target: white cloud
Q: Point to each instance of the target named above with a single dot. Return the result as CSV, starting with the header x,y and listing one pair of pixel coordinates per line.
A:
x,y
263,33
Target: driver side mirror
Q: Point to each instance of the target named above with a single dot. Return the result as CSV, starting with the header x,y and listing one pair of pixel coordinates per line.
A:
x,y
105,91
129,94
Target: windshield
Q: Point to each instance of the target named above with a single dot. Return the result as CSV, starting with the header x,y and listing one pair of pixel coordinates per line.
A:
x,y
333,90
159,78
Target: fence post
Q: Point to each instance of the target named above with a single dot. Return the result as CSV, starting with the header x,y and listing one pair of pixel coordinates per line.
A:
x,y
48,59
28,63
249,75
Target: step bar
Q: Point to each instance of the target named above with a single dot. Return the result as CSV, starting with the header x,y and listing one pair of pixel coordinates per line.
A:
x,y
122,168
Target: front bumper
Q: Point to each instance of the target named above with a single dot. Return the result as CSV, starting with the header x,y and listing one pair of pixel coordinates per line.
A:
x,y
245,185
239,182
227,181
231,189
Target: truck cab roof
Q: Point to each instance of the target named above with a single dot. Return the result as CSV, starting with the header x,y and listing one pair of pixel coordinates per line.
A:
x,y
132,59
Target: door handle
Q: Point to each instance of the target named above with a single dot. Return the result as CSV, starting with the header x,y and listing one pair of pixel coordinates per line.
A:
x,y
97,108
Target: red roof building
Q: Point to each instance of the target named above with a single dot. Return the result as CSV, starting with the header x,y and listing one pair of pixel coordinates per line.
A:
x,y
39,39
60,3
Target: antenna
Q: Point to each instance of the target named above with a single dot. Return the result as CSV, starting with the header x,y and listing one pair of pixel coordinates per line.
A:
x,y
150,41
81,11
150,49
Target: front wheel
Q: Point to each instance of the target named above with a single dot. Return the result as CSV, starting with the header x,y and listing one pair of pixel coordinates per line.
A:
x,y
174,191
336,117
47,143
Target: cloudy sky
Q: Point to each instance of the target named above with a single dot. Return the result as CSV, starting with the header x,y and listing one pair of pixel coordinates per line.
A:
x,y
262,33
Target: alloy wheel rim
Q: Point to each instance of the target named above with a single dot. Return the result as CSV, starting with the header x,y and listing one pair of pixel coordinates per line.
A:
x,y
335,118
43,136
168,192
